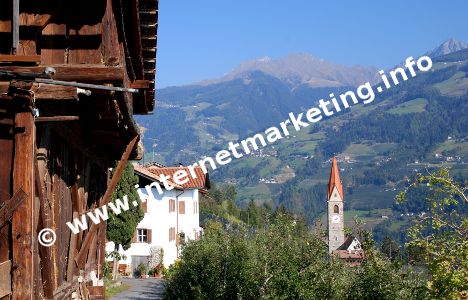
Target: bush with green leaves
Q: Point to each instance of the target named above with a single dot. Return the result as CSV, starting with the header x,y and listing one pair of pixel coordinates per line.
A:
x,y
283,260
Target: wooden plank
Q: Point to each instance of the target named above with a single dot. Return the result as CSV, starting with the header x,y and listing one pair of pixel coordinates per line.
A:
x,y
71,253
38,287
23,233
92,254
80,258
6,163
35,23
110,42
10,206
140,84
57,119
101,249
80,73
5,278
85,44
53,44
36,59
97,292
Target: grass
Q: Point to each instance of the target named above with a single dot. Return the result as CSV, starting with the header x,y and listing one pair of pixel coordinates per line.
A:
x,y
417,105
460,148
112,291
457,85
365,197
359,150
368,150
259,192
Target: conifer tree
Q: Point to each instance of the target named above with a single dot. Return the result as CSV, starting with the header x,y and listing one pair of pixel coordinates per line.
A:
x,y
121,228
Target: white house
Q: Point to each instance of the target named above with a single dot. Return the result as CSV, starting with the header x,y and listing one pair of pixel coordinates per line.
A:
x,y
170,217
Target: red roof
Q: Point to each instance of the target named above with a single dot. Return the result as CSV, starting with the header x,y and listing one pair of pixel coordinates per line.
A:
x,y
335,180
201,181
345,254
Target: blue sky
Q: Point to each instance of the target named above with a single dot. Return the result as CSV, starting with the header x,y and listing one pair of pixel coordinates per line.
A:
x,y
205,39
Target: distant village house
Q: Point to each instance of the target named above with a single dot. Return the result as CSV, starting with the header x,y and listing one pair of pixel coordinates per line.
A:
x,y
170,218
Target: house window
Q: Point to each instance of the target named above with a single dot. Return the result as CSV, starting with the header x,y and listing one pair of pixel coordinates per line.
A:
x,y
195,207
142,235
336,209
171,205
181,207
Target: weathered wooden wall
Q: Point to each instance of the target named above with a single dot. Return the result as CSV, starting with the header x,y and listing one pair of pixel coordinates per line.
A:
x,y
53,168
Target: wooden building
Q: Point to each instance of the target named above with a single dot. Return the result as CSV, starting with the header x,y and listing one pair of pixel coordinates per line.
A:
x,y
72,75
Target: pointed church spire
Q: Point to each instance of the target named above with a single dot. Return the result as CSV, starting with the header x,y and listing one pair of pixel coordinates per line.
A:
x,y
334,180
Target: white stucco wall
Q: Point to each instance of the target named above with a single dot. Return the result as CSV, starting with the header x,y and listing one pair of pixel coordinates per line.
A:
x,y
355,245
160,220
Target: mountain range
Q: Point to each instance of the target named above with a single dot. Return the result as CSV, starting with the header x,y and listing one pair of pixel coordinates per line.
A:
x,y
418,124
301,68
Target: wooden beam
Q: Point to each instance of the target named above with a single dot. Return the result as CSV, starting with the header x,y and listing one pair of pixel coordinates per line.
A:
x,y
65,290
35,59
80,258
9,207
80,73
140,84
54,92
23,233
118,171
47,279
57,119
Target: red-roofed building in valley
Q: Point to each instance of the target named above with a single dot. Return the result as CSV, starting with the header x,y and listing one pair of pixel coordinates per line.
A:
x,y
171,213
350,249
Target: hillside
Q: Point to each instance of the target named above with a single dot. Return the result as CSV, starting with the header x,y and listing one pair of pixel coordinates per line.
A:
x,y
418,125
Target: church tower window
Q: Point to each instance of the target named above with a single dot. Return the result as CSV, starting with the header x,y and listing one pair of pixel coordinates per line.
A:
x,y
336,209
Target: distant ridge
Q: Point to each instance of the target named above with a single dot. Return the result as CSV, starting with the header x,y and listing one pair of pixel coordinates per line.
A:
x,y
449,46
300,68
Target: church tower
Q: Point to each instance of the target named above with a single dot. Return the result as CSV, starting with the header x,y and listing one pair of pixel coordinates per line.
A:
x,y
335,202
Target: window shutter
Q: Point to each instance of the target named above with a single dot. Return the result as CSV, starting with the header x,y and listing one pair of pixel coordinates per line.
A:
x,y
171,205
144,206
149,236
181,207
134,238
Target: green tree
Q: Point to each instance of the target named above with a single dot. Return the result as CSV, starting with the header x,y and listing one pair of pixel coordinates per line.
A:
x,y
121,228
390,249
281,261
441,234
378,278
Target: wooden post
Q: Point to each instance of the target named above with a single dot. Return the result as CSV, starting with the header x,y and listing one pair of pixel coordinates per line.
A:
x,y
15,26
23,233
